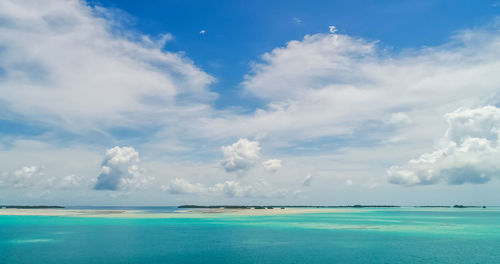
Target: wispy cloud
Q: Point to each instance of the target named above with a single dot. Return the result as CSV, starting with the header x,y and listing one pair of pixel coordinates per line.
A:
x,y
333,85
307,180
84,74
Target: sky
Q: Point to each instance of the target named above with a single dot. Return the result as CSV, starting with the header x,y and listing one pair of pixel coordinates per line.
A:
x,y
249,102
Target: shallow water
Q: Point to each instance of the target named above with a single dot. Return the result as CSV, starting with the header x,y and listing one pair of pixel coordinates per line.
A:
x,y
397,235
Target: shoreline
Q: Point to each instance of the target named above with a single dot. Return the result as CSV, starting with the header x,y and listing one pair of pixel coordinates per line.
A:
x,y
197,212
181,213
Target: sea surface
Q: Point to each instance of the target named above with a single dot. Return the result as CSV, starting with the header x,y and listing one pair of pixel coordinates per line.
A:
x,y
390,235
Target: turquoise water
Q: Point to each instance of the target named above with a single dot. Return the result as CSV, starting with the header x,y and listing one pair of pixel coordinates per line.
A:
x,y
404,235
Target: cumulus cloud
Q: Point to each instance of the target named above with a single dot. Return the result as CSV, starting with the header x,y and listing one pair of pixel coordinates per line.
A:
x,y
231,189
74,65
182,186
36,177
24,177
120,170
66,182
307,180
240,156
70,181
468,153
272,165
260,189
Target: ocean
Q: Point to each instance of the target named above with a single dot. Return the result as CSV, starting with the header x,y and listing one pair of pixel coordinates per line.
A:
x,y
382,235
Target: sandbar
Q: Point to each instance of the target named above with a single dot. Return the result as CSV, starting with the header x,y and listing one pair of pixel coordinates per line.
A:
x,y
190,213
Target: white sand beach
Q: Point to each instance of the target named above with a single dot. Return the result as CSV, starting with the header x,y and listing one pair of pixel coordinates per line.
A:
x,y
186,213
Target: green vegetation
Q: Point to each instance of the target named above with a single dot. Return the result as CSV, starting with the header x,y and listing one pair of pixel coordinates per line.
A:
x,y
283,206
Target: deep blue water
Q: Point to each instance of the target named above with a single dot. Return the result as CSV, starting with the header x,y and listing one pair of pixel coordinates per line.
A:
x,y
353,236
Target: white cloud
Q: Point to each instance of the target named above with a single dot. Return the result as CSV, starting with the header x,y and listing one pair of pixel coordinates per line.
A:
x,y
394,140
272,165
120,170
72,65
307,180
240,156
371,183
65,182
24,177
260,189
400,118
70,181
182,186
468,153
334,85
231,189
36,177
202,32
158,42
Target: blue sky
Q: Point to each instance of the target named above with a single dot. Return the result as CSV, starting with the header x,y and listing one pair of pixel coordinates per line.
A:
x,y
238,32
171,102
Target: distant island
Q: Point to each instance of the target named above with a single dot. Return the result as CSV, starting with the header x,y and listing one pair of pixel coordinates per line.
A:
x,y
30,207
282,206
191,206
464,206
